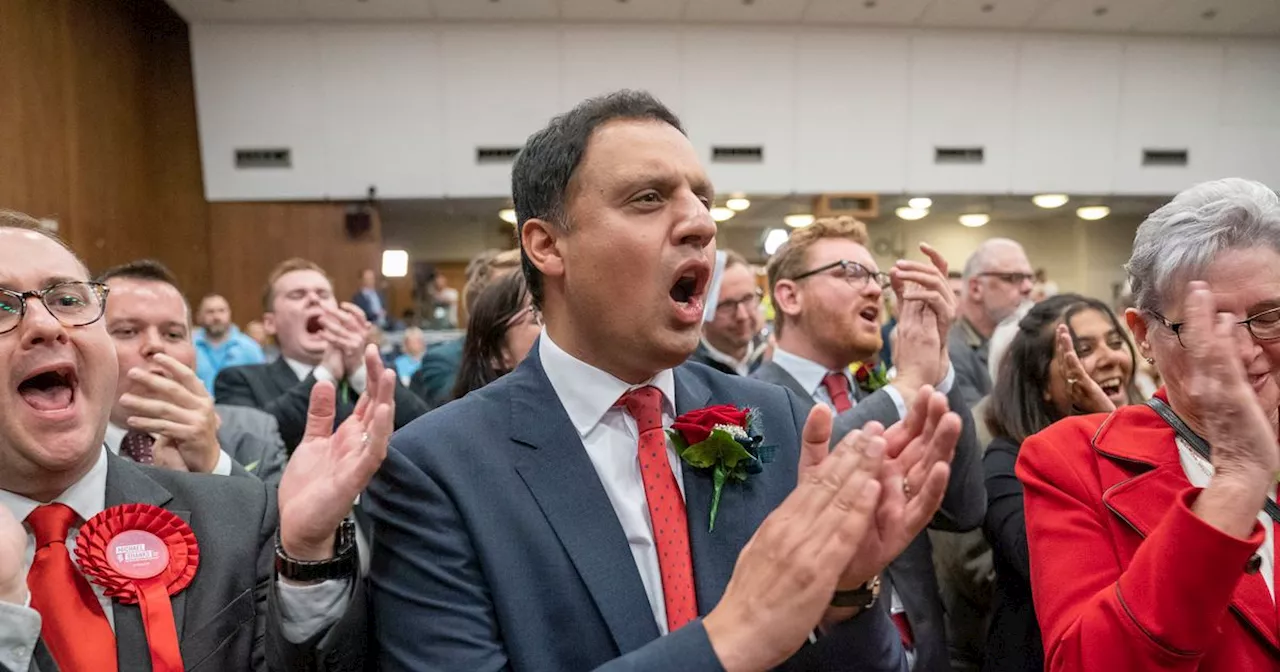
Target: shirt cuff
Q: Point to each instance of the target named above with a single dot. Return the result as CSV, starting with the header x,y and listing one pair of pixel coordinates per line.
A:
x,y
948,380
306,611
359,380
898,402
223,467
19,632
322,374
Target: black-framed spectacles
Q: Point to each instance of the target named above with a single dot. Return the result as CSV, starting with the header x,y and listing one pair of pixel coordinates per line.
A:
x,y
729,307
1264,326
1011,278
852,272
74,304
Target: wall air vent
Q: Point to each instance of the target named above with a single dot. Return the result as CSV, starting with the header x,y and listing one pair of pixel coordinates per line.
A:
x,y
737,154
270,157
496,154
1173,158
958,155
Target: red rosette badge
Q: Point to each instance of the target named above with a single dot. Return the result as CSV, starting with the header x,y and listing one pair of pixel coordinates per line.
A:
x,y
142,554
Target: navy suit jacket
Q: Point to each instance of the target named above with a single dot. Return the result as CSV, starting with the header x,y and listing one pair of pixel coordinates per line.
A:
x,y
496,547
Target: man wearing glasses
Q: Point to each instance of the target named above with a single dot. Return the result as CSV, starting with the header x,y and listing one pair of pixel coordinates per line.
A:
x,y
730,342
997,280
827,296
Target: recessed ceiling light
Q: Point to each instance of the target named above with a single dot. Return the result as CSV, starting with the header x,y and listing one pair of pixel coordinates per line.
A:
x,y
1100,11
974,220
737,204
920,203
722,214
775,238
1050,201
798,221
1093,212
911,214
507,215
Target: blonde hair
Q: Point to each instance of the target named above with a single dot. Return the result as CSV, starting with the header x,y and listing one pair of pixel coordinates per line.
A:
x,y
792,258
287,266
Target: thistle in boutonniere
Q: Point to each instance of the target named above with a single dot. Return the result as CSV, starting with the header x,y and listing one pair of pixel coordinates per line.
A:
x,y
871,377
724,439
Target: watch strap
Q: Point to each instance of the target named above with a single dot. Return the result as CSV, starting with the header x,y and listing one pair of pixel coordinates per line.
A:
x,y
341,565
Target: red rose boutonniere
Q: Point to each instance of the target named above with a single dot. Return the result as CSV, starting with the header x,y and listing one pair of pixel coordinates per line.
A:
x,y
725,439
871,377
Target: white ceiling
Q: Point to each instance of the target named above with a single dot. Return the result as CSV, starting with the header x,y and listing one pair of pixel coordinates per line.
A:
x,y
1195,17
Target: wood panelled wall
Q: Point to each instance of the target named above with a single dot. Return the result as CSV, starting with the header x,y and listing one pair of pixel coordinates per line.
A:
x,y
98,132
249,239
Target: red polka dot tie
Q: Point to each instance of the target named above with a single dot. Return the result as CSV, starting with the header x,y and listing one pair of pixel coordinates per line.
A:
x,y
139,447
666,507
837,385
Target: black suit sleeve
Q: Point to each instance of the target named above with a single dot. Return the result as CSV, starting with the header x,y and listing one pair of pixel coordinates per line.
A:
x,y
1005,525
965,501
234,387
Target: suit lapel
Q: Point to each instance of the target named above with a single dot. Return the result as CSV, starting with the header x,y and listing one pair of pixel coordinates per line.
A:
x,y
128,484
562,479
770,372
1141,501
714,552
282,375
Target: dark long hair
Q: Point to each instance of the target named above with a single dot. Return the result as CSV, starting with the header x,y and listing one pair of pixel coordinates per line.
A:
x,y
487,325
1018,407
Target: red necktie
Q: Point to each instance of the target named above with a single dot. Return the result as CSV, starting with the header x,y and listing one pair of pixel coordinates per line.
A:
x,y
904,630
666,507
837,385
139,447
72,623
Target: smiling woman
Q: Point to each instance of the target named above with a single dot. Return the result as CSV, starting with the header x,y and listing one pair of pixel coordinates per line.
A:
x,y
1142,526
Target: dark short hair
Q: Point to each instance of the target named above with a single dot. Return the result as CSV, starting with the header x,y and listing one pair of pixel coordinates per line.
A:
x,y
732,259
546,165
487,326
1018,407
142,269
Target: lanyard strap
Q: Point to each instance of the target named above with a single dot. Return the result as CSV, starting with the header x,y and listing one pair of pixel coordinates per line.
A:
x,y
1198,444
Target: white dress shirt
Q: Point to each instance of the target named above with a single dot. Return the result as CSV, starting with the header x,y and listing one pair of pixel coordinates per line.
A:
x,y
115,435
1199,471
305,610
357,380
611,439
741,366
810,374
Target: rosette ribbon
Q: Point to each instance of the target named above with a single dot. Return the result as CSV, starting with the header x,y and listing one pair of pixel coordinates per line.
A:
x,y
142,554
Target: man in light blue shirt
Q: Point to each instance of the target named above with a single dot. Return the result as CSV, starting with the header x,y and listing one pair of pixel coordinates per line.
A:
x,y
219,343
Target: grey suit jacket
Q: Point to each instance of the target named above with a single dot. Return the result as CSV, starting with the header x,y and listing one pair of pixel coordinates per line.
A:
x,y
911,575
227,619
496,546
970,362
252,438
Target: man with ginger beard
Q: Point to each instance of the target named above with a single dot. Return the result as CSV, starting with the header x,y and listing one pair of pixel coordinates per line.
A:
x,y
827,296
545,523
58,484
319,340
163,414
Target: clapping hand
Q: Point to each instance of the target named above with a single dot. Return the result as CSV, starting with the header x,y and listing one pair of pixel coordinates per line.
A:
x,y
786,575
346,330
176,408
13,548
1085,392
926,311
330,468
913,480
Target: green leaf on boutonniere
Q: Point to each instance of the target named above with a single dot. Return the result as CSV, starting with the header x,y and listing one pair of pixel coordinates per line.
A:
x,y
717,481
720,449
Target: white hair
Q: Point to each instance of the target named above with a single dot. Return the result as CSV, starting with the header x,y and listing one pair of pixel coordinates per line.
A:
x,y
1178,241
980,260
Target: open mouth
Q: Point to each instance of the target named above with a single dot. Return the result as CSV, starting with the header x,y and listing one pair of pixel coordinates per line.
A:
x,y
313,325
1112,387
870,314
690,287
50,390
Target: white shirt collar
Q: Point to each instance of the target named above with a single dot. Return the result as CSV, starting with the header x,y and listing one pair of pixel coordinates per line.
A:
x,y
742,366
114,437
87,496
299,369
587,393
806,371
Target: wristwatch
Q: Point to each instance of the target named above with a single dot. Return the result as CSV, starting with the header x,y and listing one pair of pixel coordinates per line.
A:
x,y
341,565
862,597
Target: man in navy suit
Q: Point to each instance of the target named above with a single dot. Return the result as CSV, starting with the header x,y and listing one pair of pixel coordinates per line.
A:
x,y
545,523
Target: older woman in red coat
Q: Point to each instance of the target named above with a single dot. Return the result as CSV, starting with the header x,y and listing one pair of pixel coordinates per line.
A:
x,y
1152,548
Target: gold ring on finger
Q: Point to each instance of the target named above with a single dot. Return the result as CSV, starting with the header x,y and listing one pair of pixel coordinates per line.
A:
x,y
906,489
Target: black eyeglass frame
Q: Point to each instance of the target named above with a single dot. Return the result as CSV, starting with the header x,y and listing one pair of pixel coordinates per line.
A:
x,y
1176,327
854,269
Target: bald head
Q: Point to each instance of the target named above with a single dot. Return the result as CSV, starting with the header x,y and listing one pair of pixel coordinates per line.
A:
x,y
997,279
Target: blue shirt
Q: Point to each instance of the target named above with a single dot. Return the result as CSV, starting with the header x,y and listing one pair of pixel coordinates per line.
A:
x,y
406,366
237,350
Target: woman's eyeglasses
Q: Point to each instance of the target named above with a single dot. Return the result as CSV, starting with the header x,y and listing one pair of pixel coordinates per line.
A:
x,y
526,314
1264,326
